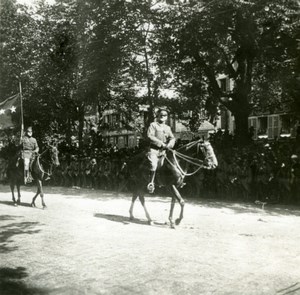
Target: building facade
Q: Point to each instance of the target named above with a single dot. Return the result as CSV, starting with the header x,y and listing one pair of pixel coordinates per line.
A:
x,y
264,126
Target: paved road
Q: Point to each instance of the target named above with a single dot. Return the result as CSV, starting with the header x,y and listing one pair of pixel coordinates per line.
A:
x,y
84,243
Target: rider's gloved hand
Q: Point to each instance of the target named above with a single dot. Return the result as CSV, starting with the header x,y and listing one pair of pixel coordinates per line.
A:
x,y
164,146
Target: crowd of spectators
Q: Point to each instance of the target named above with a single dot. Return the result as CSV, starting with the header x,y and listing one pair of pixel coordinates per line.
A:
x,y
262,170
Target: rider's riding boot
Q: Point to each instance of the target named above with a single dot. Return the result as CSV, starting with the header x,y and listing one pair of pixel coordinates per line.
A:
x,y
150,186
18,162
29,179
26,177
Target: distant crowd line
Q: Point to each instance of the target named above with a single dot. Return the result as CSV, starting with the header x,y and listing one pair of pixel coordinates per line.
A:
x,y
264,171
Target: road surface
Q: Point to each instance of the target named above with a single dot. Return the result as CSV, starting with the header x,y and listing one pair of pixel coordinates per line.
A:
x,y
84,243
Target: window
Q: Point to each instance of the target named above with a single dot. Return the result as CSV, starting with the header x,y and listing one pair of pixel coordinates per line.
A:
x,y
285,124
121,142
273,126
112,140
131,141
262,126
224,84
252,123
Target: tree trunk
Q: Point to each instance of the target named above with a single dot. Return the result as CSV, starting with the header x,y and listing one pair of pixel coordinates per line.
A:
x,y
150,116
68,133
81,125
241,126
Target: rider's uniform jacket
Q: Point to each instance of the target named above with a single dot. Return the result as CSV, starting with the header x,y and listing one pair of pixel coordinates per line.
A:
x,y
29,146
160,134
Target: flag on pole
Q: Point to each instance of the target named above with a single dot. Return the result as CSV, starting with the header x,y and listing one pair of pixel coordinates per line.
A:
x,y
10,112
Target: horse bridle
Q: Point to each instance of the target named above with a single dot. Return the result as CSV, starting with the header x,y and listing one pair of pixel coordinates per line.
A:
x,y
40,166
191,160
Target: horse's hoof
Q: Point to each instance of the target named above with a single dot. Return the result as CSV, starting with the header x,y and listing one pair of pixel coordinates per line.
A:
x,y
32,205
172,226
44,207
131,218
177,221
15,204
150,222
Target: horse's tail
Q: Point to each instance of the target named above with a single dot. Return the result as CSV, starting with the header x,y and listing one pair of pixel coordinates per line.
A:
x,y
15,168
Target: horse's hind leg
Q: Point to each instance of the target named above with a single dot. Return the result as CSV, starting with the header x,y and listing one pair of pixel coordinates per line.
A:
x,y
142,199
134,197
181,202
12,188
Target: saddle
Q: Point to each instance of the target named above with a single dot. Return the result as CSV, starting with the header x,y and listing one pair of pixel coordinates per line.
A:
x,y
21,160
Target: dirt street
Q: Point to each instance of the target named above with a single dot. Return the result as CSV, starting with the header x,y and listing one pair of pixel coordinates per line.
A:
x,y
84,243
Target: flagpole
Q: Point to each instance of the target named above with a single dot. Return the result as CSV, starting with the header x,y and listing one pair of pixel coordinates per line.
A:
x,y
22,119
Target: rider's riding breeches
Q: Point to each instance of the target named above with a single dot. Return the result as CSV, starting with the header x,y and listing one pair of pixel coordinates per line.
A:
x,y
156,158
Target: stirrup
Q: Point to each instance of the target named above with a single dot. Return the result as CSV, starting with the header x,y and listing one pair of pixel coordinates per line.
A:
x,y
182,185
151,187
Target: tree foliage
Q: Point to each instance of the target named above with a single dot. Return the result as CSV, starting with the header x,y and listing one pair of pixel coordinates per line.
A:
x,y
252,42
119,54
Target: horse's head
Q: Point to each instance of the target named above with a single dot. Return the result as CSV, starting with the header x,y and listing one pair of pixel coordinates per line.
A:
x,y
201,150
210,159
53,152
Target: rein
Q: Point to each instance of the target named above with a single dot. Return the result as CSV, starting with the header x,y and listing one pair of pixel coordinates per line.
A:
x,y
186,158
40,166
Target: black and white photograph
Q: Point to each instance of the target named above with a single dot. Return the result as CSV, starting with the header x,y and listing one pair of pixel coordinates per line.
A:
x,y
149,147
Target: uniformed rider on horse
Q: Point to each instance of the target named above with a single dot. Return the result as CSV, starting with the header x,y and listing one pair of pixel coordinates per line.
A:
x,y
161,138
30,149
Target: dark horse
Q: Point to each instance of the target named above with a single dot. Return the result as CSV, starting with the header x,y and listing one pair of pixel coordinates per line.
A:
x,y
177,164
41,168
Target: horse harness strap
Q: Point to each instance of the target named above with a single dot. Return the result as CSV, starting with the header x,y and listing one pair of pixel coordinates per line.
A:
x,y
187,159
40,166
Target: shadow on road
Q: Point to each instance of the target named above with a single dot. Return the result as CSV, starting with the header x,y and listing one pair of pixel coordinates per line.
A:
x,y
241,208
293,289
10,230
10,203
8,217
126,220
11,282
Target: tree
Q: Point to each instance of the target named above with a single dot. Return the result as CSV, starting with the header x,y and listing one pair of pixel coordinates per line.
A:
x,y
16,27
249,41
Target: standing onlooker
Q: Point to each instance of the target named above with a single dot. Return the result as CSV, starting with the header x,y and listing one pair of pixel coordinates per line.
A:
x,y
93,173
295,179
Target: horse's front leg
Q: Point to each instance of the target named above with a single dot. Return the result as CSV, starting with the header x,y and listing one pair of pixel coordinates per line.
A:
x,y
142,200
172,225
19,194
39,192
12,188
181,202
